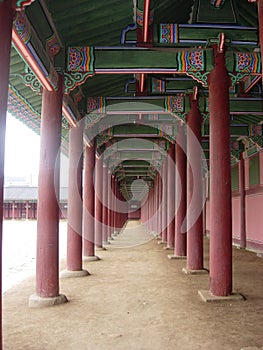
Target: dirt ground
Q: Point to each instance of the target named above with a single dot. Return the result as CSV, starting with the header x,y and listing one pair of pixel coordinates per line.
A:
x,y
138,299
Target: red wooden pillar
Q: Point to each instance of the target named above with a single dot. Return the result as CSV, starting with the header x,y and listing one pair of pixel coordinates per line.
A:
x,y
194,189
98,204
147,209
156,205
74,239
159,205
180,199
170,197
27,211
156,212
112,206
164,202
220,180
108,205
13,210
115,217
47,260
89,205
241,175
105,204
118,209
149,226
152,207
6,22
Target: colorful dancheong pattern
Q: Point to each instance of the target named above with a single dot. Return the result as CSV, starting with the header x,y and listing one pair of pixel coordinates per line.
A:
x,y
22,27
158,85
191,61
52,46
20,108
81,59
169,33
139,17
95,105
174,104
248,62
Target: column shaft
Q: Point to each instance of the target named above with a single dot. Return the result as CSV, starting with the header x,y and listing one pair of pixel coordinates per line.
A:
x,y
220,180
98,203
105,204
6,22
74,242
194,189
180,190
164,202
170,197
241,175
89,202
112,204
47,261
109,205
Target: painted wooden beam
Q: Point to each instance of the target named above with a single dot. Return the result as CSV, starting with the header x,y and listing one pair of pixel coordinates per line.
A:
x,y
167,105
83,62
201,34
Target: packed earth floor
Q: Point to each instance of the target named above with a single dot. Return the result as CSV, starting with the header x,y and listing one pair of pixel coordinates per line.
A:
x,y
135,298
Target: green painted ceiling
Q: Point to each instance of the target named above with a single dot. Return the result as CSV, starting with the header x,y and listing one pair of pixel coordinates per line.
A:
x,y
100,23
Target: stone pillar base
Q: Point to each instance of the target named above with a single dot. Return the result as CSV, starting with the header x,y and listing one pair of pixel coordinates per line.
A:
x,y
99,249
36,301
168,248
91,258
73,274
195,272
106,243
178,257
111,238
162,242
208,297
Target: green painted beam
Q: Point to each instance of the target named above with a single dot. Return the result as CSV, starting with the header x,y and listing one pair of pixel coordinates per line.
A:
x,y
246,105
172,104
234,130
200,34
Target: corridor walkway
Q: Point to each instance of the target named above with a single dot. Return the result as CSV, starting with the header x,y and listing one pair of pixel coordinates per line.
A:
x,y
138,299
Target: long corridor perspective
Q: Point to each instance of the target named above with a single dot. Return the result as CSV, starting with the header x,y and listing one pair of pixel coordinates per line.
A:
x,y
137,298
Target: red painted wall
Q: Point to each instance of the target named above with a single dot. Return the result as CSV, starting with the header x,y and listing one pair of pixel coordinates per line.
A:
x,y
254,220
253,210
236,217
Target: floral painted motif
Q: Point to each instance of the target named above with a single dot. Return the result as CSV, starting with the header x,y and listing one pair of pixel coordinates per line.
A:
x,y
158,85
174,104
139,17
81,59
96,105
169,33
190,61
52,46
248,62
22,27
